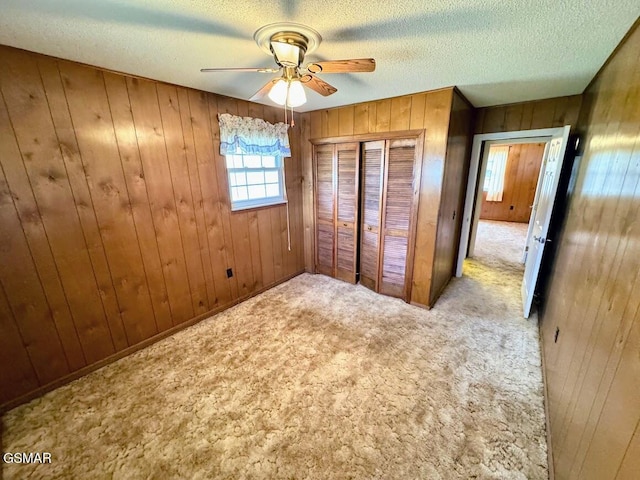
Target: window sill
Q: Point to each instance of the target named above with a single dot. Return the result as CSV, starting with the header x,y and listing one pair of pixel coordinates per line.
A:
x,y
274,203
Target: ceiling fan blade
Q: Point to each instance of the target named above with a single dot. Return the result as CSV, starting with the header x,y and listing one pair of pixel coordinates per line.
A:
x,y
241,69
318,85
264,90
343,66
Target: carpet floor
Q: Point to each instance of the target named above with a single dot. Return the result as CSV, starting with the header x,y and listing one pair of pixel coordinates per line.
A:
x,y
315,378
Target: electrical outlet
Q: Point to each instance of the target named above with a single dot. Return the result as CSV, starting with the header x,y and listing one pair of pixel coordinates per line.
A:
x,y
229,272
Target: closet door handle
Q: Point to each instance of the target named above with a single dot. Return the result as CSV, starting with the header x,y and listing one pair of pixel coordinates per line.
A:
x,y
369,228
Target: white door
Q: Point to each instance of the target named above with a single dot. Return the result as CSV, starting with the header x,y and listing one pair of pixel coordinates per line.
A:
x,y
525,249
545,196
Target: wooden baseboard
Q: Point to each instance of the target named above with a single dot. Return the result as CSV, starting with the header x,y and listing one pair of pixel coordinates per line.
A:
x,y
133,348
546,405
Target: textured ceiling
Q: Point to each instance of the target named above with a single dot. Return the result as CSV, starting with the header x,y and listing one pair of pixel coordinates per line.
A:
x,y
495,51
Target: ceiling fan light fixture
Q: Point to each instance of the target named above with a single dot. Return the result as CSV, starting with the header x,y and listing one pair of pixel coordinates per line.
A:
x,y
279,92
296,96
288,54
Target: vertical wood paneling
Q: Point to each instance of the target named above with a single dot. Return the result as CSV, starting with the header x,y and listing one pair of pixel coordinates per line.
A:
x,y
383,116
361,118
36,137
278,218
306,167
236,224
456,171
400,113
18,376
196,194
593,369
548,113
84,205
19,197
208,175
256,111
630,467
145,109
293,168
180,180
20,280
136,188
114,216
521,179
416,117
436,123
333,122
94,127
346,120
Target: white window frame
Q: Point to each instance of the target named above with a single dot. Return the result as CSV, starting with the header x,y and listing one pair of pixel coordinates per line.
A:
x,y
243,173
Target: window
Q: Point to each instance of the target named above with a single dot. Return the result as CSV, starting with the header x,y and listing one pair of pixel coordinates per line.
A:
x,y
487,174
495,172
255,180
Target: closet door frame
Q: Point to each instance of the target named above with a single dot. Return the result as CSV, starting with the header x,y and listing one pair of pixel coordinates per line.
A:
x,y
419,136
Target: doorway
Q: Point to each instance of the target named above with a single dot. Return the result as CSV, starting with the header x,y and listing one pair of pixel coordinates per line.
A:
x,y
508,193
555,140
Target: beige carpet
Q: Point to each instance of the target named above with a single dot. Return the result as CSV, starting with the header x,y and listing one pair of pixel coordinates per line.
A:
x,y
313,379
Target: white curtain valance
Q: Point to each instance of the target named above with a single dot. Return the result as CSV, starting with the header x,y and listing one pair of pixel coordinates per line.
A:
x,y
252,136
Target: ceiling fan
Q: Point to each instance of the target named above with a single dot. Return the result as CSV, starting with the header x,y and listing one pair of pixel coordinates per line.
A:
x,y
288,43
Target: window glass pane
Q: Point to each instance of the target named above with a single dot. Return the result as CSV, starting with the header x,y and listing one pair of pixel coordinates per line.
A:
x,y
271,177
240,162
256,191
254,178
252,161
241,178
239,193
269,162
273,190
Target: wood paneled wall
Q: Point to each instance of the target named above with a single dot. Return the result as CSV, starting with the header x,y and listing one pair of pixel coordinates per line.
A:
x,y
548,113
593,307
430,111
454,184
115,225
520,182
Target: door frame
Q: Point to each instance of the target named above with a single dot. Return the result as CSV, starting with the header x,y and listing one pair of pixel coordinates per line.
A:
x,y
477,168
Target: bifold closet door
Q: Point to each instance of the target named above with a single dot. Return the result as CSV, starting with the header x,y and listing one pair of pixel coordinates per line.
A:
x,y
398,212
348,170
373,154
325,227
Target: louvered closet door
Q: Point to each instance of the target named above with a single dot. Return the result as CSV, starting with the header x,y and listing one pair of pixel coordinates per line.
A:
x,y
371,197
324,209
397,216
347,162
